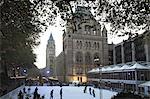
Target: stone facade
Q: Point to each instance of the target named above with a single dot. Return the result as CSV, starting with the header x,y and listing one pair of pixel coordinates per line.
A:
x,y
60,69
50,56
110,54
133,49
83,41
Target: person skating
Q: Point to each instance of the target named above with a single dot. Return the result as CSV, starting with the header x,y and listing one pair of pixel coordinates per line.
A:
x,y
85,89
93,92
20,95
42,97
24,90
61,93
35,94
38,96
90,91
36,89
51,94
28,92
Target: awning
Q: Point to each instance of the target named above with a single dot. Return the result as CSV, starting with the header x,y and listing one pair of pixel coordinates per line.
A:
x,y
138,66
125,67
52,78
145,84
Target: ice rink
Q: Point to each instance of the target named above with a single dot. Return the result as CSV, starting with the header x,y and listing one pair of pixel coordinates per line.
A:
x,y
69,92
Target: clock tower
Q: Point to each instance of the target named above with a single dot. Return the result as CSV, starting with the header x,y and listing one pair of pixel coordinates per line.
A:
x,y
50,55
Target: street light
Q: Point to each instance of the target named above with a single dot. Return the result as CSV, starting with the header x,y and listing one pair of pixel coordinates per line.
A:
x,y
97,61
25,71
48,73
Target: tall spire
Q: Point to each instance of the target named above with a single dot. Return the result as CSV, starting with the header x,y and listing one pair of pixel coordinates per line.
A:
x,y
104,29
51,38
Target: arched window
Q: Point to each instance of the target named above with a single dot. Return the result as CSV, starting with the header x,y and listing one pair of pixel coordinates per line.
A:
x,y
89,45
86,45
77,44
79,58
88,60
95,45
80,44
87,29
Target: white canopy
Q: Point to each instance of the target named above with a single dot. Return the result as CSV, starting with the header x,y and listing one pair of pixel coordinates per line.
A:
x,y
145,84
116,68
104,69
109,69
125,67
95,70
138,66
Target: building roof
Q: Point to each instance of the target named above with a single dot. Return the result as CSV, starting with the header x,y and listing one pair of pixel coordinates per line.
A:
x,y
119,67
116,68
145,84
125,67
51,38
138,66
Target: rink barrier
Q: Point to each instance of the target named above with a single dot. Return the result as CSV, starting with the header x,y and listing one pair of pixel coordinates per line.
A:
x,y
10,94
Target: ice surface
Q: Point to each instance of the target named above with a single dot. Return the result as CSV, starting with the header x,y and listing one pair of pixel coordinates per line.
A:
x,y
69,92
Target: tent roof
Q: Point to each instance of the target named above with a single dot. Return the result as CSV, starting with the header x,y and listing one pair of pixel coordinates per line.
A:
x,y
125,67
116,68
94,70
145,84
138,66
120,67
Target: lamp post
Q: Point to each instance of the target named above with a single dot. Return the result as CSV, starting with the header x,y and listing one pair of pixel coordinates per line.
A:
x,y
97,61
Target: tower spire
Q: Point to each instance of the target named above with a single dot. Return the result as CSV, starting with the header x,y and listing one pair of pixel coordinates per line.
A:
x,y
51,37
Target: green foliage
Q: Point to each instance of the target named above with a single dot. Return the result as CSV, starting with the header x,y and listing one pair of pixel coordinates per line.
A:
x,y
20,30
126,15
123,15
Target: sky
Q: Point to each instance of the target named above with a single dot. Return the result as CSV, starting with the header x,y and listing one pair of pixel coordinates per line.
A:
x,y
40,51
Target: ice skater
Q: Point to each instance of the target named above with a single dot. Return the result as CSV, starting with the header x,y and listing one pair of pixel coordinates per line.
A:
x,y
93,92
28,92
35,94
85,89
90,91
51,94
20,95
61,93
24,90
42,97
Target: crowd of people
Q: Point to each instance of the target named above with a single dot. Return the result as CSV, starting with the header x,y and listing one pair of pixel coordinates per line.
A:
x,y
26,93
36,95
91,91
